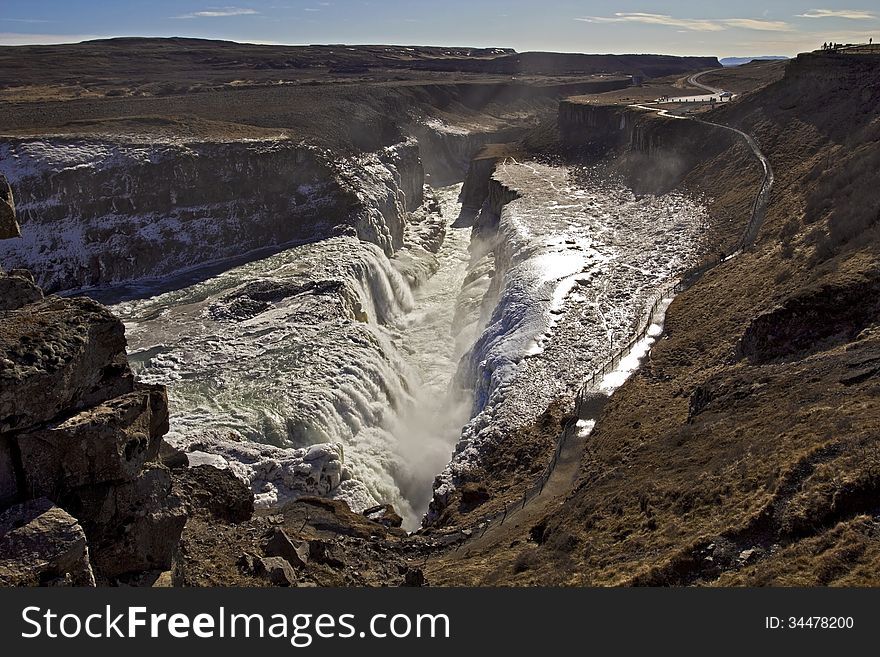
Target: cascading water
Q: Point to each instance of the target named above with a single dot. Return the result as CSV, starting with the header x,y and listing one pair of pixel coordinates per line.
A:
x,y
320,370
314,371
426,431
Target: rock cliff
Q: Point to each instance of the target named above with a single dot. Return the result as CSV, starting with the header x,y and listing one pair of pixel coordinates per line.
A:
x,y
100,211
83,496
79,442
8,224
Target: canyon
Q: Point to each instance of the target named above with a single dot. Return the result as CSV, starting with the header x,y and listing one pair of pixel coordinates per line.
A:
x,y
380,316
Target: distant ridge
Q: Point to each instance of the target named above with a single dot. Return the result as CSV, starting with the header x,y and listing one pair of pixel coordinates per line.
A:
x,y
142,59
739,61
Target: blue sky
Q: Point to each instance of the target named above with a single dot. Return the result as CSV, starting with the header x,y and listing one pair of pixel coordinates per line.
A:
x,y
745,27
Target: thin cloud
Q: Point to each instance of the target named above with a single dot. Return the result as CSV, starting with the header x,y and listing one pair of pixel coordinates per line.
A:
x,y
655,19
23,20
220,12
753,24
852,14
692,24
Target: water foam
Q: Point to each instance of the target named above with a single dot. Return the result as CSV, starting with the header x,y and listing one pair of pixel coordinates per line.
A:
x,y
324,347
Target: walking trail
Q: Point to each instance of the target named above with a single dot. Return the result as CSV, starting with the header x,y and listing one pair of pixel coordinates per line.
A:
x,y
483,546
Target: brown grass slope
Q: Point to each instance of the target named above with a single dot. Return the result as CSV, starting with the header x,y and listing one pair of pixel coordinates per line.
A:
x,y
747,449
157,65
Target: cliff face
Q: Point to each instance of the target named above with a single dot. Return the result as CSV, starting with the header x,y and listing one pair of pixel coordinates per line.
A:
x,y
585,125
831,70
551,63
8,224
83,492
478,184
100,211
448,152
598,130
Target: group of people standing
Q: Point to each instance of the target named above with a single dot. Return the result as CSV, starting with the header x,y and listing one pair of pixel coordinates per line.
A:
x,y
837,46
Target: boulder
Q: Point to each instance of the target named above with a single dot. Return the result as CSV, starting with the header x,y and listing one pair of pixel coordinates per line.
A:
x,y
8,224
276,570
59,356
749,556
219,492
325,552
131,527
41,544
414,577
333,517
385,515
172,456
279,544
17,290
108,443
248,563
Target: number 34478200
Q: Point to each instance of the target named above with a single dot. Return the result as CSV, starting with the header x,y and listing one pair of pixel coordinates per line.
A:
x,y
809,622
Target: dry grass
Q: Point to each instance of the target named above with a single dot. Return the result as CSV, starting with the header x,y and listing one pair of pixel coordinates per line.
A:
x,y
711,467
503,474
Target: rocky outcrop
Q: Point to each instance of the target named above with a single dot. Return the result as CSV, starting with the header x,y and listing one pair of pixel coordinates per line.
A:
x,y
385,515
99,211
8,224
653,153
447,151
814,320
108,443
57,356
597,129
478,181
214,491
132,526
594,129
18,289
376,193
82,496
42,545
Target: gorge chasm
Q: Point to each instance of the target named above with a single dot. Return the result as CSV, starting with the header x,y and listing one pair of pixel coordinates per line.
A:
x,y
338,327
350,360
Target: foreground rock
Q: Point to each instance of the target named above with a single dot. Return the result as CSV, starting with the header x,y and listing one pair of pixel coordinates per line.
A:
x,y
58,356
106,444
17,289
214,493
82,496
309,542
42,545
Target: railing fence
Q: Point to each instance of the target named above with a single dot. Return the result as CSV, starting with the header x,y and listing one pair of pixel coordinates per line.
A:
x,y
667,291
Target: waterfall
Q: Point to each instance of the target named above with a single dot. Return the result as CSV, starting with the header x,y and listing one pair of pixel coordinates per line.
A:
x,y
298,370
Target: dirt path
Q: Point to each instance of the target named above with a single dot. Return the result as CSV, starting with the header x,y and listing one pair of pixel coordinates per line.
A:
x,y
472,561
694,82
759,206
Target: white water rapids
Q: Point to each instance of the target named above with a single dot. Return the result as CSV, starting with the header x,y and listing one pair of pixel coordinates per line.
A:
x,y
268,358
320,371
